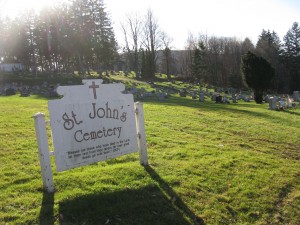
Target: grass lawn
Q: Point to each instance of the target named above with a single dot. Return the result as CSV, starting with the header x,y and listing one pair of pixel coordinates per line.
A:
x,y
208,164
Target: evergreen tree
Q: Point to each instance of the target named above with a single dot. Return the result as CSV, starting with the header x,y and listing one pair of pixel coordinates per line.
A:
x,y
269,47
64,25
167,58
74,35
198,63
257,74
167,53
29,38
103,37
291,55
247,45
143,63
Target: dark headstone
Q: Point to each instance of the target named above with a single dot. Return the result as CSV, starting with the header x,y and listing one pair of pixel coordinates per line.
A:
x,y
10,91
219,99
25,92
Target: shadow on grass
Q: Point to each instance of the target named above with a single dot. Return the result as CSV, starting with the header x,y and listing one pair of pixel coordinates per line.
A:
x,y
152,204
239,108
268,116
194,103
47,214
146,205
292,112
176,200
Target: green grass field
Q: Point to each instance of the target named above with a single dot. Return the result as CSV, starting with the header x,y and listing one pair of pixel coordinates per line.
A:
x,y
208,164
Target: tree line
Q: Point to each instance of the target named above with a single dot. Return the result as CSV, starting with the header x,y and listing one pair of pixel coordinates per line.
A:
x,y
79,35
68,37
217,60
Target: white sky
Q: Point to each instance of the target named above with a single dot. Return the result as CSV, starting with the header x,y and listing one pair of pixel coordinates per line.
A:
x,y
227,18
14,7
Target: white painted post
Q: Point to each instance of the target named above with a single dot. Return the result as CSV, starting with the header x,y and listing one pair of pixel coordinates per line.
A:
x,y
139,117
42,139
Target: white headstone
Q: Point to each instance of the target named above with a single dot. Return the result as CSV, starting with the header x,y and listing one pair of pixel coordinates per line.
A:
x,y
296,96
91,123
234,100
201,98
272,103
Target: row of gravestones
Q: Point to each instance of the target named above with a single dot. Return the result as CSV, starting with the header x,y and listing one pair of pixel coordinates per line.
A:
x,y
215,96
141,94
190,90
25,90
9,89
285,102
274,102
161,93
12,89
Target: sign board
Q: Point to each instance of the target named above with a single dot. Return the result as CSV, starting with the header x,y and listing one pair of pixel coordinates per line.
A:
x,y
91,123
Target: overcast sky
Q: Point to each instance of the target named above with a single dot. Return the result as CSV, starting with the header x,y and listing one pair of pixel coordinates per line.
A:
x,y
227,18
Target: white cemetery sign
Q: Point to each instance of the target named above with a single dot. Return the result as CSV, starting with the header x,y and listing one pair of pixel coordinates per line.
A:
x,y
93,122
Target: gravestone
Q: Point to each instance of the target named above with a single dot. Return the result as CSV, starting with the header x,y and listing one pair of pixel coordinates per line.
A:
x,y
226,100
45,84
201,97
161,96
234,100
266,98
193,94
182,92
281,104
272,103
10,91
213,97
219,99
296,96
25,92
53,92
246,99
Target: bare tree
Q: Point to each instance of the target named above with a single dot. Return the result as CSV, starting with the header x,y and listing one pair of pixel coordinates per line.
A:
x,y
151,43
132,31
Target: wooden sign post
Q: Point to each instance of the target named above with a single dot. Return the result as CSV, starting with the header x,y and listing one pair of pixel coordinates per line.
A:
x,y
91,123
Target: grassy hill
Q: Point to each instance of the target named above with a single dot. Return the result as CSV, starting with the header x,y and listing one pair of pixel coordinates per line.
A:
x,y
208,164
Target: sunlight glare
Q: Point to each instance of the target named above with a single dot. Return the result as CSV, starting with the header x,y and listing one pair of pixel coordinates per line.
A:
x,y
37,4
12,8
